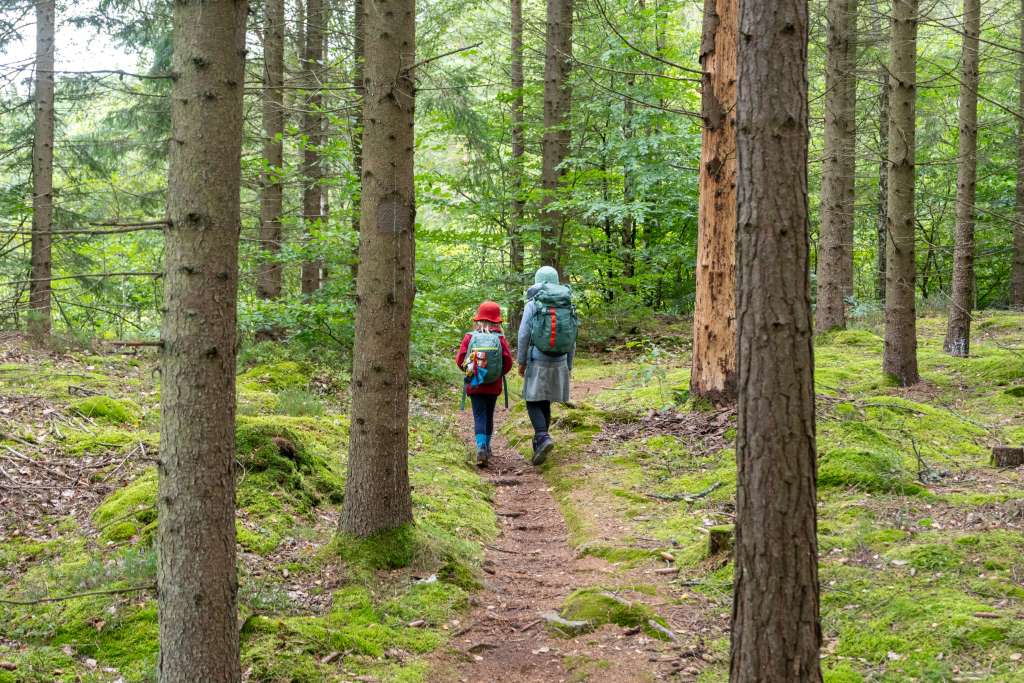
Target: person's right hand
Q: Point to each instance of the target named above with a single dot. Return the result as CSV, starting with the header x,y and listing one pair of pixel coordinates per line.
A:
x,y
522,369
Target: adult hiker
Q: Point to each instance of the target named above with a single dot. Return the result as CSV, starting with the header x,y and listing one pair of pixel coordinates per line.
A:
x,y
485,358
545,348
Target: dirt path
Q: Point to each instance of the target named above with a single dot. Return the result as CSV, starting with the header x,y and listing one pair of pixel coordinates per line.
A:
x,y
530,569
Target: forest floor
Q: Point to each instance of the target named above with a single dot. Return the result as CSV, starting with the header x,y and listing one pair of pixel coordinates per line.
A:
x,y
921,542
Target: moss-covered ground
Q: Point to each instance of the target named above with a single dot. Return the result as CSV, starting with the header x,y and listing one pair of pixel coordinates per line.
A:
x,y
313,606
921,540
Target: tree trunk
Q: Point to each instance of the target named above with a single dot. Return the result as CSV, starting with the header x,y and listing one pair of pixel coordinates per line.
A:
x,y
515,249
958,332
42,172
628,192
377,494
268,285
883,182
357,125
835,248
713,375
776,632
900,355
196,502
312,130
557,135
1017,274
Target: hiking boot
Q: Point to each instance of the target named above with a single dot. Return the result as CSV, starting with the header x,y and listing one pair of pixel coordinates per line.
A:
x,y
481,457
542,445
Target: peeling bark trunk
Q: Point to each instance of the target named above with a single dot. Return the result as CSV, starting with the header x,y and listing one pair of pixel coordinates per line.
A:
x,y
196,574
268,285
557,135
883,183
713,375
312,130
835,249
776,632
1017,268
900,355
958,331
377,493
40,298
515,245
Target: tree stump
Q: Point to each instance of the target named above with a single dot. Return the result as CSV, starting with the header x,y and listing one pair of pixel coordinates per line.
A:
x,y
1007,456
720,539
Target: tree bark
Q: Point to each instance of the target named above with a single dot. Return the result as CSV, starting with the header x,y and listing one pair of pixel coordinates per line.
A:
x,y
377,494
883,183
1017,268
776,632
557,134
900,354
268,285
713,375
312,131
515,249
196,574
835,248
958,331
42,173
357,125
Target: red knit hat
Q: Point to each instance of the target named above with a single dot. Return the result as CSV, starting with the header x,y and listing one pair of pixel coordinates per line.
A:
x,y
488,312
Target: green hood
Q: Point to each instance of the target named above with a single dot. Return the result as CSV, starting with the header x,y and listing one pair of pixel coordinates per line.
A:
x,y
546,275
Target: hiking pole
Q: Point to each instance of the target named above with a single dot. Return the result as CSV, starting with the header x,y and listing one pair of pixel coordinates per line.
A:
x,y
505,380
464,393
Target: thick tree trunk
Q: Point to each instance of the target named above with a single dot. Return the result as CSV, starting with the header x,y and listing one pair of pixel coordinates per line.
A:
x,y
557,134
958,332
883,183
776,632
1017,274
312,130
515,239
268,284
835,248
713,374
357,125
196,502
900,355
42,172
377,494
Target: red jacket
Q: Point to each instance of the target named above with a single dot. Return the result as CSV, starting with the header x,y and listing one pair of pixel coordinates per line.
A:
x,y
494,388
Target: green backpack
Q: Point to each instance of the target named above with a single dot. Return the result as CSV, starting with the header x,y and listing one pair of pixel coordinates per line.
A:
x,y
555,324
488,344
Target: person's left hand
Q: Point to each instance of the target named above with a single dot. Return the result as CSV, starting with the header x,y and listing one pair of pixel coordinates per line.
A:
x,y
522,370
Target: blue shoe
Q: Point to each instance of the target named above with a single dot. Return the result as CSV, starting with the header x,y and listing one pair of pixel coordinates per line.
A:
x,y
542,446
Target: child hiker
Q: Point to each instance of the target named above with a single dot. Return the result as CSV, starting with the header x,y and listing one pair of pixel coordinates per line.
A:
x,y
486,358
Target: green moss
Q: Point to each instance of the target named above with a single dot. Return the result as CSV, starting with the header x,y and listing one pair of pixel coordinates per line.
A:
x,y
275,376
599,607
866,470
863,339
127,511
386,550
110,410
841,673
108,439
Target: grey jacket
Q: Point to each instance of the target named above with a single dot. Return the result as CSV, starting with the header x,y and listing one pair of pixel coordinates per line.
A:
x,y
547,377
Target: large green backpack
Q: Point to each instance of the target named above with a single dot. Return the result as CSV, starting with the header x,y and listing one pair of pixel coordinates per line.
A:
x,y
489,344
555,324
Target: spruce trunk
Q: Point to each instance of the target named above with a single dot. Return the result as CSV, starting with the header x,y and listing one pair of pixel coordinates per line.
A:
x,y
835,249
268,285
377,494
312,131
958,331
557,135
883,183
196,574
1017,268
713,375
357,127
776,632
515,246
900,354
40,297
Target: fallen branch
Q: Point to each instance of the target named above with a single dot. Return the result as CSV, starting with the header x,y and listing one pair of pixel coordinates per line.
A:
x,y
688,497
74,596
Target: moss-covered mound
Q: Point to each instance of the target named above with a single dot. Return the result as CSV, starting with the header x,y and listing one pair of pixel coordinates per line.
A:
x,y
110,410
597,607
874,471
275,376
130,511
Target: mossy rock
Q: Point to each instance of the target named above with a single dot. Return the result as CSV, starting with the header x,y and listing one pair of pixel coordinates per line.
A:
x,y
598,607
276,376
129,511
866,470
855,338
110,410
1015,392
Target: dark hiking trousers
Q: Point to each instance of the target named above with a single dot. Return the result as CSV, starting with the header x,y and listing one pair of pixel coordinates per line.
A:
x,y
483,413
540,415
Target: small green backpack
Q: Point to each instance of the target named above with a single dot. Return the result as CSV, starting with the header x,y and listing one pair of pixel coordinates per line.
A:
x,y
488,344
555,324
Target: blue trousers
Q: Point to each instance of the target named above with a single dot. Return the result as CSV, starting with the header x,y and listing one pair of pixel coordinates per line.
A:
x,y
483,417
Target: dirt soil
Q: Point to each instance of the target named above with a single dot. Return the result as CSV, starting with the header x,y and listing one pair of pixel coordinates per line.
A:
x,y
529,570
